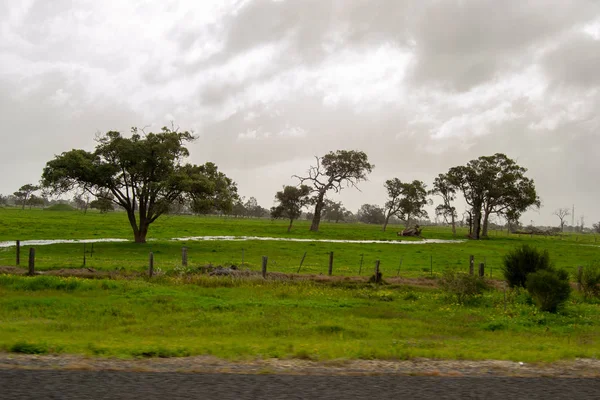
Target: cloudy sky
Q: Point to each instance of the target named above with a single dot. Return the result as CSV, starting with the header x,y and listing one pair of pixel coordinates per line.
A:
x,y
419,85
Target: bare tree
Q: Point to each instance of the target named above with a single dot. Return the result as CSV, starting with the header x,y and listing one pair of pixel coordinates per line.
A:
x,y
562,214
332,172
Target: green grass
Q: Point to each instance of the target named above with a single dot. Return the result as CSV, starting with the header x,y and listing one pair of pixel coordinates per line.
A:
x,y
236,319
417,260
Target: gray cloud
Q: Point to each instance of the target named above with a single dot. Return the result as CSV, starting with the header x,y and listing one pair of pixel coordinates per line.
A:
x,y
420,86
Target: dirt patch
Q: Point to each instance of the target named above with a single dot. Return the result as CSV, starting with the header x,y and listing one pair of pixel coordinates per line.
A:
x,y
207,364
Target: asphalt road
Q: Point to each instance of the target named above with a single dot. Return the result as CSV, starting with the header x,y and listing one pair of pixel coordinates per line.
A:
x,y
31,384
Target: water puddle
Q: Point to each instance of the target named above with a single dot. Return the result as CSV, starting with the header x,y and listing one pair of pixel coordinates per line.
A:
x,y
246,238
229,238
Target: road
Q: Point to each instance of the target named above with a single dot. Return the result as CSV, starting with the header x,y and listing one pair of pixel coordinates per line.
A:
x,y
81,385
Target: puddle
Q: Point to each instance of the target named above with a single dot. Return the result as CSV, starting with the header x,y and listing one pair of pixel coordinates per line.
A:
x,y
229,238
245,238
57,241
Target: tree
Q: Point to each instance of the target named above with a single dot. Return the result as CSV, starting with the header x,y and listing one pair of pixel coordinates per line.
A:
x,y
332,172
238,209
334,211
371,214
493,185
24,192
405,200
253,209
144,173
443,187
82,201
104,203
596,227
562,213
291,201
3,200
35,201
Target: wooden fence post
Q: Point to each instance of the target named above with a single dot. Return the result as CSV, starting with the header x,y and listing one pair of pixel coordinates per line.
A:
x,y
481,270
31,261
471,265
400,266
431,263
362,256
301,262
18,252
84,254
377,274
151,265
331,263
184,258
579,276
264,266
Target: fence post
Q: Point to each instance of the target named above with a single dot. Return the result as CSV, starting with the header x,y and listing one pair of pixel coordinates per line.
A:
x,y
377,274
362,256
18,252
481,270
264,266
242,256
331,263
431,263
151,265
471,265
400,266
184,261
31,261
579,276
84,254
301,262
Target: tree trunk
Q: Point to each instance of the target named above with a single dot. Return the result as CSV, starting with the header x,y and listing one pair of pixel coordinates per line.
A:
x,y
318,208
385,224
453,225
486,218
476,223
290,226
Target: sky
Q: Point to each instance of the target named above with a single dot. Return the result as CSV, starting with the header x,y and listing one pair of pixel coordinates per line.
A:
x,y
419,85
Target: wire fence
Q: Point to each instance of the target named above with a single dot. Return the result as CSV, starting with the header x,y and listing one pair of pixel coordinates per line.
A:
x,y
357,261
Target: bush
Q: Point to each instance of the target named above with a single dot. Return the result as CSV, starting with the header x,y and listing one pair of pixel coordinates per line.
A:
x,y
549,289
521,262
589,281
462,286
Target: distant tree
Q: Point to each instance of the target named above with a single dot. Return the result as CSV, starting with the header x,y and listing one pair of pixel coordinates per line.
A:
x,y
596,227
3,200
238,209
371,214
443,187
82,201
145,174
35,201
562,214
104,203
24,192
332,172
405,200
493,185
334,211
291,201
253,209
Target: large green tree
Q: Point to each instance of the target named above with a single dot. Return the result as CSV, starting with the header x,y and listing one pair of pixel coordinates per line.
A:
x,y
493,185
291,201
143,173
405,200
334,171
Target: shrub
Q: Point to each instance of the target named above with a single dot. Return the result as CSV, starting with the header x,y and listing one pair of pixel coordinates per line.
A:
x,y
589,281
521,262
549,289
462,286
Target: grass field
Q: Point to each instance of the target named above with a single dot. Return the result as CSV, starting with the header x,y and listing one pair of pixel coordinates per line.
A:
x,y
411,259
236,319
179,314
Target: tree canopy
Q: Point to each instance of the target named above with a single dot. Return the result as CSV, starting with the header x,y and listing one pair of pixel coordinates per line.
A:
x,y
144,174
493,185
405,200
443,187
24,193
291,201
334,171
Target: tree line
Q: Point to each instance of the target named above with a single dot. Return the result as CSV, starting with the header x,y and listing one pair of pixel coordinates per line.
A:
x,y
146,175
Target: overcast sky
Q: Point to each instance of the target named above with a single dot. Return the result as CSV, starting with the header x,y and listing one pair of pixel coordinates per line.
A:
x,y
419,85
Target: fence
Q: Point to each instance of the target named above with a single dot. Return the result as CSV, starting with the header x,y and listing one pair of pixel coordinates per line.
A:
x,y
157,257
